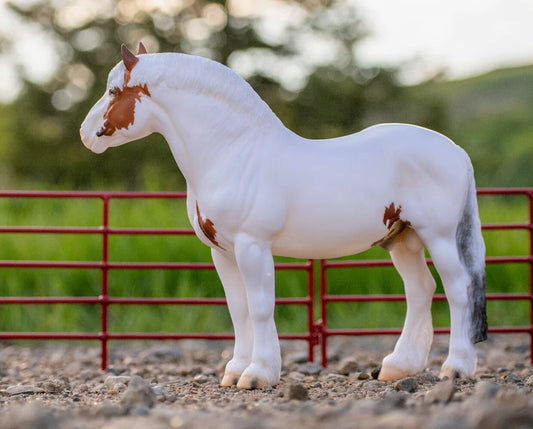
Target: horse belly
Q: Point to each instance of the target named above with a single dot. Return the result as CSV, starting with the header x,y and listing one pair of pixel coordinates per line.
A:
x,y
317,237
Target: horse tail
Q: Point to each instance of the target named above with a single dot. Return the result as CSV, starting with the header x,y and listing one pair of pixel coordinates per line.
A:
x,y
471,248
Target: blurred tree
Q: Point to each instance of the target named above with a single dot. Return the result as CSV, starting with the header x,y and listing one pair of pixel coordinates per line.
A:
x,y
299,56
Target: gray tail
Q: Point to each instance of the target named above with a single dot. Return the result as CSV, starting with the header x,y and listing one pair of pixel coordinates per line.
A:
x,y
471,249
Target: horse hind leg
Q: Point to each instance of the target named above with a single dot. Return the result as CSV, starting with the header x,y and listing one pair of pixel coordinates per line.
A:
x,y
456,280
412,348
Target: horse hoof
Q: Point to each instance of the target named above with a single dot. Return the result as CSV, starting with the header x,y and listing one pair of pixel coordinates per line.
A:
x,y
389,373
229,380
250,382
449,373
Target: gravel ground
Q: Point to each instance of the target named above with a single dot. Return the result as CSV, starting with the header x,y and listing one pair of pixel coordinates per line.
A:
x,y
175,385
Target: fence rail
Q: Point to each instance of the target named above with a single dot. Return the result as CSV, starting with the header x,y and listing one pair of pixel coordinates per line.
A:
x,y
317,331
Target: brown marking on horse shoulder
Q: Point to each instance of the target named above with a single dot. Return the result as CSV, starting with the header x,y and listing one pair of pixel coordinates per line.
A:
x,y
208,228
395,225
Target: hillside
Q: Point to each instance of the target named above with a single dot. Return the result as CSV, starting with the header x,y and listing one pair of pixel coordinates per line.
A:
x,y
491,116
495,92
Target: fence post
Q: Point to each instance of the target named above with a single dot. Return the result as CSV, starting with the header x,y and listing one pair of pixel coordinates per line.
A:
x,y
104,296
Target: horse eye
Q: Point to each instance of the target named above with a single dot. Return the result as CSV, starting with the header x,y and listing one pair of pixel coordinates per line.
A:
x,y
113,91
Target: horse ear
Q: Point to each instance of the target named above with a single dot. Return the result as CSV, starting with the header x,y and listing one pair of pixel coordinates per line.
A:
x,y
129,59
142,49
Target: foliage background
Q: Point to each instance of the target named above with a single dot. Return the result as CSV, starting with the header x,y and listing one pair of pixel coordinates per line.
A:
x,y
301,61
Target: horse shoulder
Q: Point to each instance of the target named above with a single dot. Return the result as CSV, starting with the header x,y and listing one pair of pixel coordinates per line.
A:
x,y
218,217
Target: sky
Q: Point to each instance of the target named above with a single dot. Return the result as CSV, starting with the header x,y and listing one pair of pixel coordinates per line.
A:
x,y
461,37
425,37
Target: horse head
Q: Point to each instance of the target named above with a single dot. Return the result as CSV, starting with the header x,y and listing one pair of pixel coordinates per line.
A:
x,y
117,117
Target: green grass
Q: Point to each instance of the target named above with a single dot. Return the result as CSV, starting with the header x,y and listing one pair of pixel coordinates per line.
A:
x,y
205,283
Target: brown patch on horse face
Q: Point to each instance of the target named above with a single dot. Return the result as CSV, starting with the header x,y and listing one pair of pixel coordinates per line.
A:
x,y
395,225
208,228
120,112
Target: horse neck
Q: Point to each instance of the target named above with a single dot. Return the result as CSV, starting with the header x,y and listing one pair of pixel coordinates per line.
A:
x,y
205,131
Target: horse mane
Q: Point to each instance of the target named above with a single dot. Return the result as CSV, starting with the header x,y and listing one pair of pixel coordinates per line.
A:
x,y
203,76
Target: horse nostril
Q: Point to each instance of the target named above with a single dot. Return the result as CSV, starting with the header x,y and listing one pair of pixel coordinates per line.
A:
x,y
100,132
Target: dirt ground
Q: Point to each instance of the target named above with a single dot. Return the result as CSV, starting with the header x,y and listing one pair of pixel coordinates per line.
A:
x,y
175,385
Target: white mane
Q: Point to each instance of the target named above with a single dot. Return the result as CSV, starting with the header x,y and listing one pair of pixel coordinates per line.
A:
x,y
186,72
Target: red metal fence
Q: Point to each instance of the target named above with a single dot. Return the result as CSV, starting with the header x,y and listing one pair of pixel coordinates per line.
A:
x,y
317,332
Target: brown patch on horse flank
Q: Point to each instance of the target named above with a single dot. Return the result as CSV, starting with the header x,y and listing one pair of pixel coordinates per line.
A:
x,y
120,112
391,215
395,225
207,227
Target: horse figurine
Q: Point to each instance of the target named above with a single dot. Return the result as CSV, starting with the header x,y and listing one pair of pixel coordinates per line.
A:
x,y
255,189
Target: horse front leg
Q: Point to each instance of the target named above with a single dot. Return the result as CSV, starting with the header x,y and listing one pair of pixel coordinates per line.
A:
x,y
235,291
256,265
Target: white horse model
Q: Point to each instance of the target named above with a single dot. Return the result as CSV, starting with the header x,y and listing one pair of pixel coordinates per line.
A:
x,y
256,189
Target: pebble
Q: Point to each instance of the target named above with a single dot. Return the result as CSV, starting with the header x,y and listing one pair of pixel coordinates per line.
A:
x,y
112,380
23,389
427,378
108,409
295,375
201,378
334,377
138,393
298,391
391,401
28,417
442,392
363,376
161,353
409,384
500,416
529,381
159,390
373,385
310,368
511,399
139,410
375,372
348,365
513,378
55,385
484,390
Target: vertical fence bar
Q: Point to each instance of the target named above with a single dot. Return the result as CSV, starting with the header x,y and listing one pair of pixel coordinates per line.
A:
x,y
104,297
311,342
530,200
323,314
